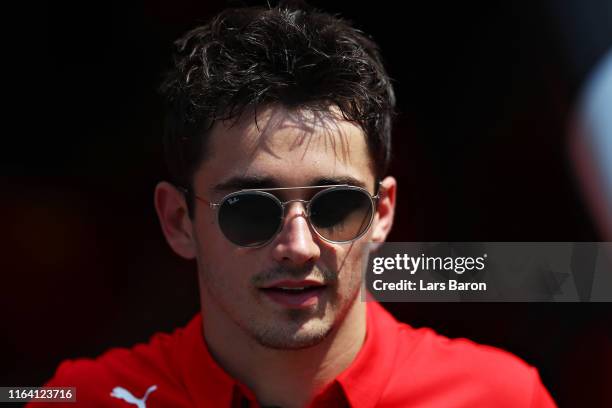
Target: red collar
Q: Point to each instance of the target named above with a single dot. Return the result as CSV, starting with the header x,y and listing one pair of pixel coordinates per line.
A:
x,y
362,383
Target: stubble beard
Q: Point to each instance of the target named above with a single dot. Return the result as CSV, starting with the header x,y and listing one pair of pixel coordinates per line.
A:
x,y
290,329
296,329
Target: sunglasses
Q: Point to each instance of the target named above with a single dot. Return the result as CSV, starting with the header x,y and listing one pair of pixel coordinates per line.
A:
x,y
252,218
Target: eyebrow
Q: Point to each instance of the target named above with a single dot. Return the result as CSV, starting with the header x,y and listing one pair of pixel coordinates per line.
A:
x,y
261,182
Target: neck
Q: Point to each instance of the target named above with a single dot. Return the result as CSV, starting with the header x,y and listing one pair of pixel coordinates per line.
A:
x,y
287,378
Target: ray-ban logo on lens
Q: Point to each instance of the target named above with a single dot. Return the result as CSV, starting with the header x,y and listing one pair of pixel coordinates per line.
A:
x,y
233,200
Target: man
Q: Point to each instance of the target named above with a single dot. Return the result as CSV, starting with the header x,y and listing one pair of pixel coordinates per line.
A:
x,y
278,140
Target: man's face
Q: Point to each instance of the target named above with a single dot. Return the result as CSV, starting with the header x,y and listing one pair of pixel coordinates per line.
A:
x,y
283,149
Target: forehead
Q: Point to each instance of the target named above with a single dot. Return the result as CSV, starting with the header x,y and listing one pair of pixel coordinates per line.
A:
x,y
285,148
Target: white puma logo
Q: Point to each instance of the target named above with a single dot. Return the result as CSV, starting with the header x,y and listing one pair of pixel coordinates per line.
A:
x,y
122,393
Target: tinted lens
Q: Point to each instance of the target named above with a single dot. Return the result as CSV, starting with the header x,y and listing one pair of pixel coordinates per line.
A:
x,y
250,219
341,214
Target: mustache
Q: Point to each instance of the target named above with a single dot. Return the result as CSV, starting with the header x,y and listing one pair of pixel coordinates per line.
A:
x,y
323,275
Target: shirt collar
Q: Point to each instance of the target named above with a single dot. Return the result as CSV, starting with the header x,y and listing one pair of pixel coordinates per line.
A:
x,y
362,382
365,379
206,383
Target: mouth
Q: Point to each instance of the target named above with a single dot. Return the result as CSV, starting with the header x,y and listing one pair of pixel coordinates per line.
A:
x,y
295,294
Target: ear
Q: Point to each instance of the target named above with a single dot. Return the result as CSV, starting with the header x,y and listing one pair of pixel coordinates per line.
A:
x,y
386,210
174,219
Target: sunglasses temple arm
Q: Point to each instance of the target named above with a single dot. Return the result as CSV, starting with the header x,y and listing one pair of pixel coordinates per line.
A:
x,y
197,197
211,205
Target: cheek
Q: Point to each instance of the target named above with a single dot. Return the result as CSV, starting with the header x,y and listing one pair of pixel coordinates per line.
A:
x,y
210,239
352,263
215,261
224,277
225,269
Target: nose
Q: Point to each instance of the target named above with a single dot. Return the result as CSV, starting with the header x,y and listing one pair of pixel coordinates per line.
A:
x,y
295,244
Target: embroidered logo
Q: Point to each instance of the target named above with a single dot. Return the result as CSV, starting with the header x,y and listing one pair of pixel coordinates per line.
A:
x,y
122,393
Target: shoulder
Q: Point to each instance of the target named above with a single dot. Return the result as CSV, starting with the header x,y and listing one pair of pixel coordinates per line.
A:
x,y
459,372
457,355
123,373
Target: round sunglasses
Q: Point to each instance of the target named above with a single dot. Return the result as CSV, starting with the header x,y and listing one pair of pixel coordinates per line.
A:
x,y
339,213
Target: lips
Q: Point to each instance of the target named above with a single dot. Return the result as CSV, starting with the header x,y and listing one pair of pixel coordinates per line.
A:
x,y
294,294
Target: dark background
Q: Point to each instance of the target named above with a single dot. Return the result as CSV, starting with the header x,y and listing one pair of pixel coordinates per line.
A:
x,y
485,97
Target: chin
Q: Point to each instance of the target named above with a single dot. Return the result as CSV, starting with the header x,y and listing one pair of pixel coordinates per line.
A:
x,y
292,337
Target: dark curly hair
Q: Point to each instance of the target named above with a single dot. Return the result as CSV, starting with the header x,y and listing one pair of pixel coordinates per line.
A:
x,y
250,57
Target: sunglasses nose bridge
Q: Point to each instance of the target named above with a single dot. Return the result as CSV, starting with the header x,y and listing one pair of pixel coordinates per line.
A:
x,y
305,213
284,204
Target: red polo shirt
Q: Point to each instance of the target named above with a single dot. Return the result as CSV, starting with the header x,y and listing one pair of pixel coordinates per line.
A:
x,y
398,366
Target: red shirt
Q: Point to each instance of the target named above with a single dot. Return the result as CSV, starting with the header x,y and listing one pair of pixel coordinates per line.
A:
x,y
398,366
